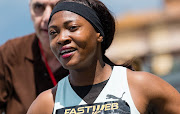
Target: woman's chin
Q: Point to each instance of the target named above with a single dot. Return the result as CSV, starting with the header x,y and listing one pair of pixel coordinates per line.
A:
x,y
71,66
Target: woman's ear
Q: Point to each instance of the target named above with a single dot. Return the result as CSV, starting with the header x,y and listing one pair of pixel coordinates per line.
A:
x,y
100,38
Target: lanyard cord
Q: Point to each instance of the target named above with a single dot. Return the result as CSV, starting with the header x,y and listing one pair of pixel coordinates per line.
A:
x,y
47,66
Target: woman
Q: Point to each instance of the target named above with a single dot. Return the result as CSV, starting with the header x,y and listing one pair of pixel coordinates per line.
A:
x,y
80,31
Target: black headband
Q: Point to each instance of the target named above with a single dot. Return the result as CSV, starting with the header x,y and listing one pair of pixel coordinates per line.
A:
x,y
82,10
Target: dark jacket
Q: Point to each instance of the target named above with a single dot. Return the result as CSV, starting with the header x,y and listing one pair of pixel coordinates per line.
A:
x,y
23,74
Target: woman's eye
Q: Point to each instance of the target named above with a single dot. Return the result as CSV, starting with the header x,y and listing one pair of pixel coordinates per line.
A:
x,y
73,28
52,32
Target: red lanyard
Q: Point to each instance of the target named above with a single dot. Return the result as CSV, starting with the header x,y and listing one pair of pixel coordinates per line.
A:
x,y
47,66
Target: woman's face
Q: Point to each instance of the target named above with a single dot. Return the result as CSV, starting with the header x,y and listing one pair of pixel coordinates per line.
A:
x,y
73,40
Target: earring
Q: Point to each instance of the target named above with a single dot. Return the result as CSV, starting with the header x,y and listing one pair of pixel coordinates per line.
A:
x,y
100,37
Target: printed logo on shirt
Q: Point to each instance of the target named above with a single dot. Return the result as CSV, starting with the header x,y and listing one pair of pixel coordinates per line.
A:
x,y
113,107
109,96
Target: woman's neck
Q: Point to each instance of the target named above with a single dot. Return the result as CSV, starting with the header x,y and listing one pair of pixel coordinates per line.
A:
x,y
91,75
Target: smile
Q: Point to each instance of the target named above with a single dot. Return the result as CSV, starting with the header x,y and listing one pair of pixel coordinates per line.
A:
x,y
67,52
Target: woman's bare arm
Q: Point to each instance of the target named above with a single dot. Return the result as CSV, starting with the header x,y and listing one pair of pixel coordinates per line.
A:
x,y
44,103
151,93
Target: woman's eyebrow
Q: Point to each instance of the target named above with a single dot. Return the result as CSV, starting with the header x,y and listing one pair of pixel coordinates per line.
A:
x,y
52,26
67,22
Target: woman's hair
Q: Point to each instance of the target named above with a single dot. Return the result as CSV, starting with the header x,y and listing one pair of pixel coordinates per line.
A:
x,y
106,19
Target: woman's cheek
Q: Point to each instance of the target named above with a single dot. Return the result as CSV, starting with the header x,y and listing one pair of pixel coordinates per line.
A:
x,y
53,48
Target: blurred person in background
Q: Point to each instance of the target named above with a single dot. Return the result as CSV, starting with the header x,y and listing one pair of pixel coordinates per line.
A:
x,y
27,65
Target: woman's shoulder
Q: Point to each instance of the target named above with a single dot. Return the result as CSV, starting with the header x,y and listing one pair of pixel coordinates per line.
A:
x,y
143,78
148,88
44,103
147,81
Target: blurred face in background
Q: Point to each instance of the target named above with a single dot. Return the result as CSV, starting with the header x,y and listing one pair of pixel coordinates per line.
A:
x,y
40,12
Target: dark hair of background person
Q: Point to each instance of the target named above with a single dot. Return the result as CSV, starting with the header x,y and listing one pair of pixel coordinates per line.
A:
x,y
108,23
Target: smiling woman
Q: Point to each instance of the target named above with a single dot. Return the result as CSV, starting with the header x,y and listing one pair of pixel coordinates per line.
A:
x,y
76,38
79,42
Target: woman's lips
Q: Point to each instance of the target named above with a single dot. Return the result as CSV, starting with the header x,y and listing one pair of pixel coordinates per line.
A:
x,y
67,55
67,52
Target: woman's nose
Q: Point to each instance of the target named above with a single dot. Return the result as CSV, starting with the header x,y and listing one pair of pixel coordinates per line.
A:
x,y
63,38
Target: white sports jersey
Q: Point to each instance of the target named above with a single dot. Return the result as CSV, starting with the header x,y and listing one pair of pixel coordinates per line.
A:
x,y
110,100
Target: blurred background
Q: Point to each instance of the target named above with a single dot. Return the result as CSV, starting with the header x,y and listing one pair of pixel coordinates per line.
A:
x,y
147,31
